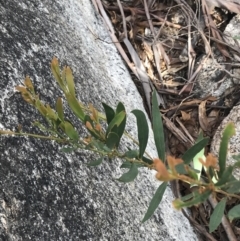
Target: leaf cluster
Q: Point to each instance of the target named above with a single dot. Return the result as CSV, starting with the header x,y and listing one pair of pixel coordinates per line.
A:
x,y
105,142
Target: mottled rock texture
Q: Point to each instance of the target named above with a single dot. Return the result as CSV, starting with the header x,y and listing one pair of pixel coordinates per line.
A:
x,y
46,194
210,80
232,34
234,143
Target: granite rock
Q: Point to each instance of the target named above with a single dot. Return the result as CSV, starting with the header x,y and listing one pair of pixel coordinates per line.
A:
x,y
234,143
210,80
44,193
232,33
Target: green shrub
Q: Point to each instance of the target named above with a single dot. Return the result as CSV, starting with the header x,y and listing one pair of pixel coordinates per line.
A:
x,y
105,142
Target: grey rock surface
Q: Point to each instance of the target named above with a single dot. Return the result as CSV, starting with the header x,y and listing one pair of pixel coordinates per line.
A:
x,y
209,81
46,194
234,143
232,33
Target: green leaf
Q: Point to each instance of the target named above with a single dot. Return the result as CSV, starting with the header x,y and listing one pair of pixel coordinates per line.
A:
x,y
75,106
92,132
197,198
147,160
120,107
98,144
131,154
128,165
192,174
95,163
234,213
130,175
112,140
236,157
197,165
106,149
217,215
180,169
236,164
70,131
59,109
110,113
56,73
158,130
157,198
121,127
192,151
225,176
143,131
233,187
228,132
187,197
116,121
70,81
68,149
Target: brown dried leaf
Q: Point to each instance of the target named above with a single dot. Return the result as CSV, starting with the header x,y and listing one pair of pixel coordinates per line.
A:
x,y
28,84
203,121
162,172
185,115
213,117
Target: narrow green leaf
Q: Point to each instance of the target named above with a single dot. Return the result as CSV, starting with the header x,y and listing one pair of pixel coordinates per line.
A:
x,y
110,113
192,174
56,73
70,131
216,217
121,127
158,130
98,144
68,149
120,107
147,160
237,158
128,165
200,137
112,140
131,154
59,109
197,198
130,175
187,197
116,121
234,213
192,152
70,81
106,149
236,164
75,106
95,163
228,132
233,187
225,176
180,169
51,114
92,132
143,131
157,198
197,165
